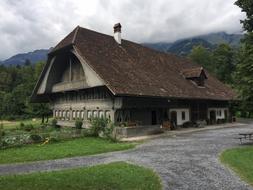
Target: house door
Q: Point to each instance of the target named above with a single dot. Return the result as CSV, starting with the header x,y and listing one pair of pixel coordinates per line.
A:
x,y
154,119
226,115
212,116
173,117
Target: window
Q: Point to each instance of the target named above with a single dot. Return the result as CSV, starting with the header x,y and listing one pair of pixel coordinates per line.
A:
x,y
64,114
67,115
56,113
82,114
74,114
101,114
95,113
89,114
77,114
107,114
183,115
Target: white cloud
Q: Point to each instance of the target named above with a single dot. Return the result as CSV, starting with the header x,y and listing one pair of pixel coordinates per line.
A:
x,y
26,25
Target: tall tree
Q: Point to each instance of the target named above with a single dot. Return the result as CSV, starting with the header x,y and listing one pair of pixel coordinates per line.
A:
x,y
244,68
224,64
203,57
247,7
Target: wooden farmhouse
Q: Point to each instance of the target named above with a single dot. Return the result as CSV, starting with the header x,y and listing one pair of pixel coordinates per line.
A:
x,y
90,74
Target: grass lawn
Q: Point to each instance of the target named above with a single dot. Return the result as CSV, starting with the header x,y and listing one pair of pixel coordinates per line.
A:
x,y
117,175
70,148
16,124
241,161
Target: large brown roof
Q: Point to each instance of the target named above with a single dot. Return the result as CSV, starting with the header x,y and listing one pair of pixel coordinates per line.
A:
x,y
131,69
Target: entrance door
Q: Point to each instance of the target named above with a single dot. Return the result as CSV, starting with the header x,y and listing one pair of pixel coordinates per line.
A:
x,y
213,116
154,119
173,117
226,115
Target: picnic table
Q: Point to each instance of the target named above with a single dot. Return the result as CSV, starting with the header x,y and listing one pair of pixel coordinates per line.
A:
x,y
246,136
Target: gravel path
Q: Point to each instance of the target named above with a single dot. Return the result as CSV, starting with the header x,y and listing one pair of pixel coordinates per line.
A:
x,y
188,161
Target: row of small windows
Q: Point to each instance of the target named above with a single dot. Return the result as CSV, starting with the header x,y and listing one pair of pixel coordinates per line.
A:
x,y
84,95
76,114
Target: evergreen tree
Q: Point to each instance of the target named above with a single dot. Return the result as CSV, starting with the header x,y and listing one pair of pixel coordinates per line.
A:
x,y
224,64
202,57
244,68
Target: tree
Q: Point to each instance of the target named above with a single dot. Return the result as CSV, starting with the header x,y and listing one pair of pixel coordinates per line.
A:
x,y
244,68
203,57
16,85
247,7
224,64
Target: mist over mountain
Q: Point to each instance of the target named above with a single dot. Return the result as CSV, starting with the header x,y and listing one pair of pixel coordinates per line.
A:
x,y
33,57
179,47
184,46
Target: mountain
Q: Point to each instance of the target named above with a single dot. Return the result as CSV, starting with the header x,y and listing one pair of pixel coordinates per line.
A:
x,y
184,46
222,37
164,47
33,57
180,47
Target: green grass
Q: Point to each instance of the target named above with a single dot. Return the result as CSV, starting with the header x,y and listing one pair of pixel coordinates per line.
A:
x,y
117,175
241,161
75,147
16,124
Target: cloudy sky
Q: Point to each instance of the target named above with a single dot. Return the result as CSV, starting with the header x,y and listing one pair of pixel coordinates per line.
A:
x,y
26,25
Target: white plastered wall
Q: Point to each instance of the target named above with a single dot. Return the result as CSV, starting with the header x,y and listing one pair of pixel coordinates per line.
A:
x,y
179,111
220,112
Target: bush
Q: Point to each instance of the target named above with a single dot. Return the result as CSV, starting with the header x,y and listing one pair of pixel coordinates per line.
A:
x,y
42,126
109,132
27,127
98,125
36,138
2,133
102,127
22,125
79,124
14,141
54,123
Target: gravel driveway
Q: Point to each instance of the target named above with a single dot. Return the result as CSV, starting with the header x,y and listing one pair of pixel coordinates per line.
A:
x,y
188,161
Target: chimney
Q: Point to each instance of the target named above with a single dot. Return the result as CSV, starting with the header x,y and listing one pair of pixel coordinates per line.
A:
x,y
117,32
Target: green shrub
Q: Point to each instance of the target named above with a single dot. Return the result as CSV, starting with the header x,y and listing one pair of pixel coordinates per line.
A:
x,y
42,126
27,127
2,132
36,138
79,124
54,123
102,127
22,125
109,132
98,125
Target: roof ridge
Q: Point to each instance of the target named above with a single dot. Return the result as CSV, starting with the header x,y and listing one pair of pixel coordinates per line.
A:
x,y
75,34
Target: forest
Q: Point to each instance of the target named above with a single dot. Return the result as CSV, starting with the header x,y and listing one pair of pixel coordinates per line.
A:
x,y
231,65
16,86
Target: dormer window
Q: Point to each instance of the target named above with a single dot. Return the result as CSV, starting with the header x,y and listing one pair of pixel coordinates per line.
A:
x,y
197,75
